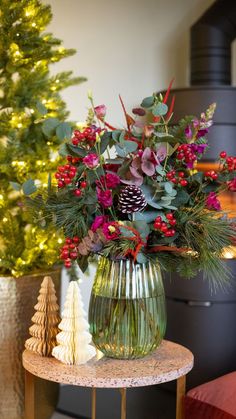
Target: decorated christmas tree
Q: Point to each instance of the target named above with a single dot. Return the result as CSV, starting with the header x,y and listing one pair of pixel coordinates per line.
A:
x,y
31,128
74,339
46,319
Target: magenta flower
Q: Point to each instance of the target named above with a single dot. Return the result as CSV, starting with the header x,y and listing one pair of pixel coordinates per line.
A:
x,y
212,202
100,111
104,197
111,230
98,222
188,132
91,160
110,180
232,185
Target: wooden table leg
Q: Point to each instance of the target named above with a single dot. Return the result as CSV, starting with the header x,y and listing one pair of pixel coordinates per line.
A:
x,y
94,403
123,403
29,395
181,388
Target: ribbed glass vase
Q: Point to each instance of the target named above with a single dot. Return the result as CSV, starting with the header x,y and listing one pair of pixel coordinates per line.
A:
x,y
127,312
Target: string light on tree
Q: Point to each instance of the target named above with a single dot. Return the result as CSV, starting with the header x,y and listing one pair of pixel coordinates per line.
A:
x,y
25,124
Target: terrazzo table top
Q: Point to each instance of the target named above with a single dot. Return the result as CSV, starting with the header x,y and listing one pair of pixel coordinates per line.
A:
x,y
169,362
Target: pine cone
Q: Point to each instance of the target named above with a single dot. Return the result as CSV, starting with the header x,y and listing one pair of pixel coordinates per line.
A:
x,y
131,199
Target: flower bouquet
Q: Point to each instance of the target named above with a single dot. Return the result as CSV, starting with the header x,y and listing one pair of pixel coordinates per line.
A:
x,y
135,196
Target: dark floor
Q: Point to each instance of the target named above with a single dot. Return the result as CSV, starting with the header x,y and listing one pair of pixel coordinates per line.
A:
x,y
155,402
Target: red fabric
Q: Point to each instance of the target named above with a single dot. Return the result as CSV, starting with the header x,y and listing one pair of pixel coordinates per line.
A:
x,y
213,400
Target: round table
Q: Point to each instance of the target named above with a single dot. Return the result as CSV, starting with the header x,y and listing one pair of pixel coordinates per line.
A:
x,y
169,362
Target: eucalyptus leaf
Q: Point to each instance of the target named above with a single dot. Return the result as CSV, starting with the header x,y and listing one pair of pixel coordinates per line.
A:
x,y
16,186
49,126
168,187
160,109
41,108
142,227
181,198
116,135
29,187
160,170
141,258
63,131
148,102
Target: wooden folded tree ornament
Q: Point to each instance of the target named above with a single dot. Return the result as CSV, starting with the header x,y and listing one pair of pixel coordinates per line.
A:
x,y
46,320
74,339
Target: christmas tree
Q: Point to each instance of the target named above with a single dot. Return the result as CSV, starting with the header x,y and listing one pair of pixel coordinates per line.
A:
x,y
46,319
31,128
74,339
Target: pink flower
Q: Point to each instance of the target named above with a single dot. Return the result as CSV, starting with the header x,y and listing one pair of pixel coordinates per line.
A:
x,y
142,163
110,180
149,162
104,197
111,230
161,152
188,132
98,222
212,202
100,111
91,160
232,185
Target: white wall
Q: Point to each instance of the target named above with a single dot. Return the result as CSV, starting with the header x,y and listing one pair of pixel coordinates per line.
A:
x,y
131,47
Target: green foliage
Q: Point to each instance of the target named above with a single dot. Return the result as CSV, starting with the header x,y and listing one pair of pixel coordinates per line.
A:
x,y
31,128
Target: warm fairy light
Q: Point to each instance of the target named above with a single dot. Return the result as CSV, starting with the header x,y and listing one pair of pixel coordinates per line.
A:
x,y
53,88
49,143
5,219
57,81
61,50
60,241
17,34
39,162
53,159
16,53
80,125
33,24
44,101
20,163
45,185
13,272
19,125
229,252
1,197
32,111
33,230
41,246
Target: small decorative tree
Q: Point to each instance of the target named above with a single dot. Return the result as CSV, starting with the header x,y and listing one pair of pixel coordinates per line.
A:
x,y
32,126
74,339
46,319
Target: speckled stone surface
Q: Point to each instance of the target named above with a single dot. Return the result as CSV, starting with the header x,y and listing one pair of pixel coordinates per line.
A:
x,y
169,362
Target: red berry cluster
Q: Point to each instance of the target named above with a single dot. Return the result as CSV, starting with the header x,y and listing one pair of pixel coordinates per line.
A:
x,y
65,175
73,160
69,251
87,136
186,154
177,177
166,228
81,185
229,161
211,174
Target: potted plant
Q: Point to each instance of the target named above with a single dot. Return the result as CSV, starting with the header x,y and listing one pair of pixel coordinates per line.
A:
x,y
135,197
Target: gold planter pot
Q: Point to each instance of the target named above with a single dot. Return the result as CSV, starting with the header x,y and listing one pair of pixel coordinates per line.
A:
x,y
17,300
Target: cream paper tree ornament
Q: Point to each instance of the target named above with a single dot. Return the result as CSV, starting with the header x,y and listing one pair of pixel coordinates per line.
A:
x,y
74,339
46,320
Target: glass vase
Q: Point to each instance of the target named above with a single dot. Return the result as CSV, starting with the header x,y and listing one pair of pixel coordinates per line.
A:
x,y
127,313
